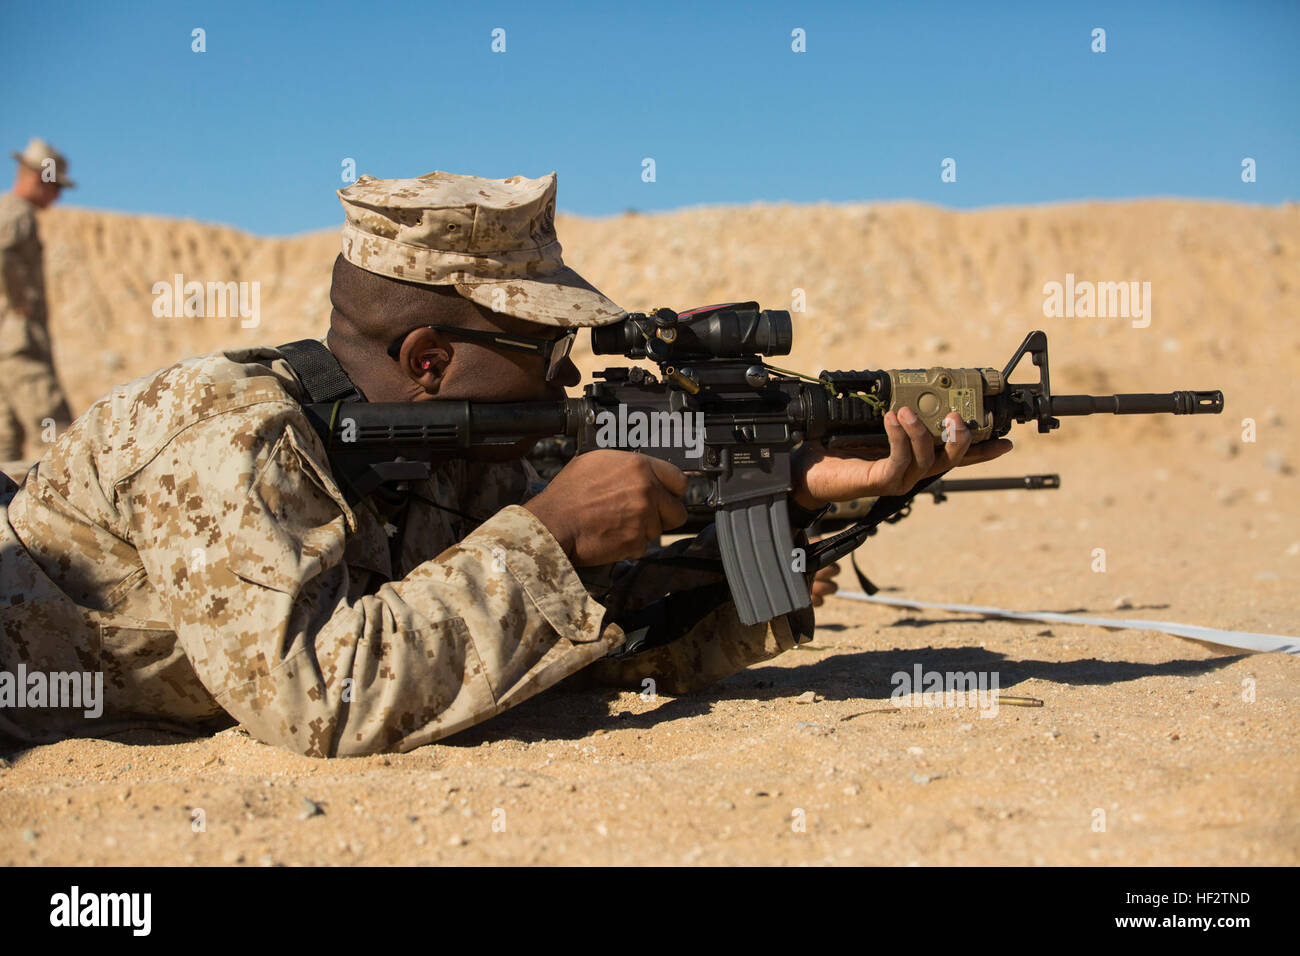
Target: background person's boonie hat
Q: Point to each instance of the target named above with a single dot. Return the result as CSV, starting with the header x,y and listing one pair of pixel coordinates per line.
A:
x,y
35,155
492,239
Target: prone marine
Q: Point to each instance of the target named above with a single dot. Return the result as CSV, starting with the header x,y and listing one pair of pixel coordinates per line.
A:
x,y
188,538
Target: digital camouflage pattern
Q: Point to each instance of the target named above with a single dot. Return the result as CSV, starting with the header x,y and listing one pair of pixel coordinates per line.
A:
x,y
186,537
493,239
31,392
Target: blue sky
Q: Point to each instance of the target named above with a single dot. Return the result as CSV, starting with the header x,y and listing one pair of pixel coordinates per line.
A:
x,y
253,131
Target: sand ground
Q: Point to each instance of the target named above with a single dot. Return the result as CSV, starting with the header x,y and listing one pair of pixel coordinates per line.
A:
x,y
1159,734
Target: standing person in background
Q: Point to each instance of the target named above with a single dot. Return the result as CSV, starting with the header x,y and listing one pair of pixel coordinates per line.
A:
x,y
31,400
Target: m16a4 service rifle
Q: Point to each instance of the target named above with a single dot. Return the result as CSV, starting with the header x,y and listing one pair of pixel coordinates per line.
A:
x,y
751,415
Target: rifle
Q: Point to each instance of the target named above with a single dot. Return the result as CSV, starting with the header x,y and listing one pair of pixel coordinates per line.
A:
x,y
719,409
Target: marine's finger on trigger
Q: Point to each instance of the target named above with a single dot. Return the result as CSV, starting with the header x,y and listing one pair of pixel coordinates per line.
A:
x,y
672,510
669,475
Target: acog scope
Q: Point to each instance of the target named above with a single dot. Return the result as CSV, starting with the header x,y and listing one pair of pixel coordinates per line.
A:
x,y
732,330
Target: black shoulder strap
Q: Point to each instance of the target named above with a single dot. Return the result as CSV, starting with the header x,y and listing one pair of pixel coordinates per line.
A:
x,y
320,372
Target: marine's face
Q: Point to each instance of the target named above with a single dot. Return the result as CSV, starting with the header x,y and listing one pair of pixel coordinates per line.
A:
x,y
486,372
447,365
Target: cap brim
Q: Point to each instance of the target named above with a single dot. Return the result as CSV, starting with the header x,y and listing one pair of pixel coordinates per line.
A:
x,y
562,298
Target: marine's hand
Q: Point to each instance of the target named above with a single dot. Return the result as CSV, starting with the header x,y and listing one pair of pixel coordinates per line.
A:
x,y
606,506
824,584
821,475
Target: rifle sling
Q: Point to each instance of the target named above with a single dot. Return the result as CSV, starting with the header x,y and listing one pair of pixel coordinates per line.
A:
x,y
319,372
668,619
836,546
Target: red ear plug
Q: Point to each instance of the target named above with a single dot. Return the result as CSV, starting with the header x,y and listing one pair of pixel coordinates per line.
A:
x,y
426,364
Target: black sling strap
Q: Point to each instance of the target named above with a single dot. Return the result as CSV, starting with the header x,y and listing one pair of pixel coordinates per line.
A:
x,y
320,372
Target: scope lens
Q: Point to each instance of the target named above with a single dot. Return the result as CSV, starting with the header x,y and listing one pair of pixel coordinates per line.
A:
x,y
609,339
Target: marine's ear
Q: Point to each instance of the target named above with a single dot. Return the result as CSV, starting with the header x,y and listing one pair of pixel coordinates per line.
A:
x,y
424,357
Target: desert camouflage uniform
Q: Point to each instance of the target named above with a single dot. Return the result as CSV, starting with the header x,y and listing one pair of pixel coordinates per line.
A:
x,y
29,389
187,538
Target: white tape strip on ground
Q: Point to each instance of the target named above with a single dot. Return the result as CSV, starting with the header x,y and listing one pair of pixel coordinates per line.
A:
x,y
1242,639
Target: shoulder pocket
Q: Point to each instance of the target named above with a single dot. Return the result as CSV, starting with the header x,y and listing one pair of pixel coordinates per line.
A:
x,y
294,521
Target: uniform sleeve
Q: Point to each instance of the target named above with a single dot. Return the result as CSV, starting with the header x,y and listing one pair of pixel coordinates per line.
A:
x,y
243,531
716,647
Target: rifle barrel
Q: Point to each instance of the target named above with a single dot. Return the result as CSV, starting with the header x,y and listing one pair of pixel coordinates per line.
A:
x,y
1146,403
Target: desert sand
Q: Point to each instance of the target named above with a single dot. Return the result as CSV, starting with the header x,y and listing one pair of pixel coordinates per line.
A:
x,y
1147,749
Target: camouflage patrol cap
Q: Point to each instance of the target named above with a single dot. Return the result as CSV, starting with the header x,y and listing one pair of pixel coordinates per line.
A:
x,y
492,239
